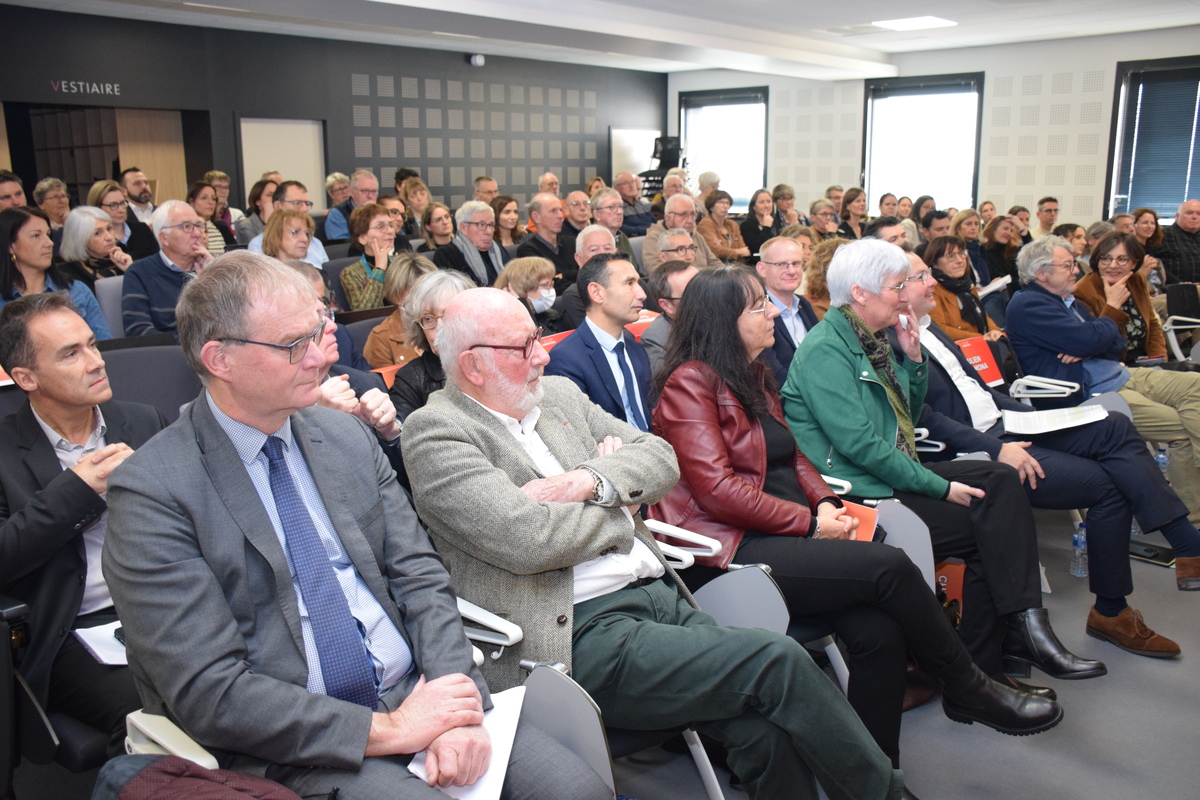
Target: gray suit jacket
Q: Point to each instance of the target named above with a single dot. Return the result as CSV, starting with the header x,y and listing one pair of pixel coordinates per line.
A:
x,y
208,606
512,555
654,341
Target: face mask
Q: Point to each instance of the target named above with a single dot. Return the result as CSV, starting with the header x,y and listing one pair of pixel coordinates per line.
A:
x,y
543,303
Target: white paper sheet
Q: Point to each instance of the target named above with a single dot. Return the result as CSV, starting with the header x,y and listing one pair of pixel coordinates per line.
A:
x,y
102,644
1031,423
501,724
995,286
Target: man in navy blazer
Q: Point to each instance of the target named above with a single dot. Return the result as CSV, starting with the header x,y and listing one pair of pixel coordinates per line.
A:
x,y
601,357
781,265
1103,466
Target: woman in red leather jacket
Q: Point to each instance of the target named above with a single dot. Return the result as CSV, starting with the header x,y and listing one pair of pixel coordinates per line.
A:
x,y
744,482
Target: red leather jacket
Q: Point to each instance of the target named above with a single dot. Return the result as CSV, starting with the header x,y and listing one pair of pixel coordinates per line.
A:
x,y
722,456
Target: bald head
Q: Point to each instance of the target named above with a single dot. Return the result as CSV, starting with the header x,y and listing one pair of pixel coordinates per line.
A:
x,y
1188,217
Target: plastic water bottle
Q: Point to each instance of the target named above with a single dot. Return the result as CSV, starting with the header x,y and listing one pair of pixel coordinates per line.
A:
x,y
1160,458
1079,564
1135,529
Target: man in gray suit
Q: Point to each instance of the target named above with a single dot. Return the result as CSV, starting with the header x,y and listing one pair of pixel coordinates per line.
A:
x,y
666,286
280,600
529,490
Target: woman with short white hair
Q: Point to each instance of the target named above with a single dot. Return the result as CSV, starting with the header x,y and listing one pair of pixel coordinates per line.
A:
x,y
89,247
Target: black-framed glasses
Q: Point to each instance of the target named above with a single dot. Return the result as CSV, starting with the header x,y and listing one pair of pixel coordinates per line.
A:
x,y
1122,260
525,349
487,226
295,350
117,206
299,205
687,248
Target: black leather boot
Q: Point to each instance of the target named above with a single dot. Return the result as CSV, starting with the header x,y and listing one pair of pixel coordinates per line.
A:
x,y
1030,641
977,698
1013,683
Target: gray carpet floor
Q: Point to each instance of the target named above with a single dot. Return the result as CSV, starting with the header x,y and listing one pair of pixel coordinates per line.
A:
x,y
1130,734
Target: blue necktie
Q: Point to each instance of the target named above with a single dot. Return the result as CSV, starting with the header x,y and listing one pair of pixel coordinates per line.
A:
x,y
631,392
345,665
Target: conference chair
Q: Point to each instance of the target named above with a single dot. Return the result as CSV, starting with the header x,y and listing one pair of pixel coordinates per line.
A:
x,y
157,376
636,243
338,249
333,269
360,330
108,295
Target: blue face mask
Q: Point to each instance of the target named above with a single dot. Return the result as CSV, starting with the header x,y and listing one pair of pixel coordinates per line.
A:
x,y
543,303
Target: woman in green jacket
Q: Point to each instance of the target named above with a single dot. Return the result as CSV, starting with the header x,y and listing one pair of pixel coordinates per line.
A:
x,y
851,406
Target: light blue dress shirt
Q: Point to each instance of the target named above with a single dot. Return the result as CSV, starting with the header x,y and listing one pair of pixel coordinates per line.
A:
x,y
607,342
389,651
316,254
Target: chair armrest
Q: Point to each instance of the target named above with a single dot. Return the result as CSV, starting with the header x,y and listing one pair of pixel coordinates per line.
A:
x,y
1037,386
497,630
12,609
702,545
677,557
147,734
925,444
837,484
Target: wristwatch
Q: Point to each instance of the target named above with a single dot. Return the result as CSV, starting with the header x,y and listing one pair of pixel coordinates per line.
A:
x,y
597,485
817,532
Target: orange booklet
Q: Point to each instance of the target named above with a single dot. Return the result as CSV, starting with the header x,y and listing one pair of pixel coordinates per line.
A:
x,y
866,517
980,357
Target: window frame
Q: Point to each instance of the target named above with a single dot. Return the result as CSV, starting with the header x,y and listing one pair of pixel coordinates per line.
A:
x,y
947,83
1125,72
739,95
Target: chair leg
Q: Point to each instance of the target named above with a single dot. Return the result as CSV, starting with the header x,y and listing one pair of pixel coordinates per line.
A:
x,y
837,662
708,775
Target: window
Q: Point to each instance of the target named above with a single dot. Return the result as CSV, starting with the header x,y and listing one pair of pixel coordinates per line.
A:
x,y
1153,143
922,137
725,132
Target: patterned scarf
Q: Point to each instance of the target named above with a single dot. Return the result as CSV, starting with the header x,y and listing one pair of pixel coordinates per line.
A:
x,y
475,259
879,352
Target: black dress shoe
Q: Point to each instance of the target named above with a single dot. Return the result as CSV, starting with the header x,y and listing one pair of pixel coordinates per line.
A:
x,y
983,700
1029,641
1013,683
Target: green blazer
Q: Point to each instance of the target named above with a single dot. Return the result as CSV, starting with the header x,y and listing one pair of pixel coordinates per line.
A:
x,y
840,415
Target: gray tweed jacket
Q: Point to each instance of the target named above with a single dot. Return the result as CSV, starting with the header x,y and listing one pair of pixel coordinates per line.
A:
x,y
507,553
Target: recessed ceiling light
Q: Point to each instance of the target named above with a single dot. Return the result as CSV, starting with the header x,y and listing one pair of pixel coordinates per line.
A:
x,y
915,23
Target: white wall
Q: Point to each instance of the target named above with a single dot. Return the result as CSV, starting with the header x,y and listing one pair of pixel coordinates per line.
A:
x,y
1047,109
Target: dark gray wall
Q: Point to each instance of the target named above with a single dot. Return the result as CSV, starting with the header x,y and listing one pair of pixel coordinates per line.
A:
x,y
383,106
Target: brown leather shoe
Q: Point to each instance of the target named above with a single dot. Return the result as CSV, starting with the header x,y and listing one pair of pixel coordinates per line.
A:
x,y
1129,631
1187,573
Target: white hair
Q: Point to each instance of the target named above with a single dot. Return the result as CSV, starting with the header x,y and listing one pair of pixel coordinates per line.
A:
x,y
865,263
588,231
362,173
1036,257
470,209
77,229
162,216
708,179
664,241
675,201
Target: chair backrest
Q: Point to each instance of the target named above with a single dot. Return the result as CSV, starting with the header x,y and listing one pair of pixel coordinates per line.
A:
x,y
388,374
550,341
11,399
745,598
908,532
338,249
158,376
319,226
636,242
568,714
359,331
333,268
108,295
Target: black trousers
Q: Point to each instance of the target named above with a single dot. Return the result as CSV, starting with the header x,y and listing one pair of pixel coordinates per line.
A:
x,y
93,693
879,605
996,537
1105,468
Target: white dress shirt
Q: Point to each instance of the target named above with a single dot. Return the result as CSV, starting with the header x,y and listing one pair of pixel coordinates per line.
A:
x,y
984,412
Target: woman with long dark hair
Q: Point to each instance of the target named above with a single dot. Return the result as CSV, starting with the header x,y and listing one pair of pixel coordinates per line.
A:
x,y
26,266
743,481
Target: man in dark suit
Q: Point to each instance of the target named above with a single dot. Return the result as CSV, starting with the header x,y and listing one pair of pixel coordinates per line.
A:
x,y
279,598
56,454
152,284
473,251
601,357
781,264
1103,466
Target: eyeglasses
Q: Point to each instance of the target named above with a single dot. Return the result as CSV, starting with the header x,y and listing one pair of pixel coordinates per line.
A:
x,y
826,214
369,192
187,227
295,350
955,254
297,204
56,197
683,214
606,209
382,227
299,232
429,321
487,226
1070,265
578,203
687,248
759,307
1122,260
546,285
525,349
923,276
114,206
396,212
796,265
